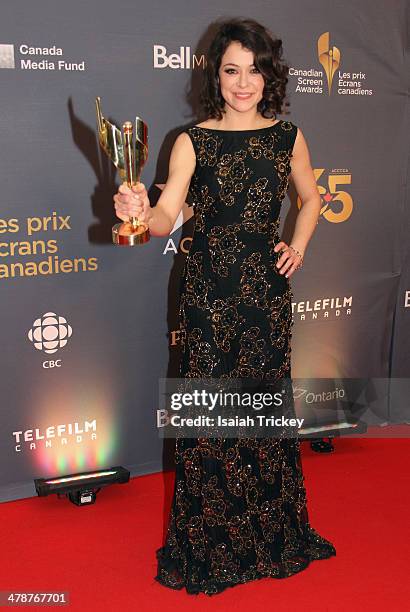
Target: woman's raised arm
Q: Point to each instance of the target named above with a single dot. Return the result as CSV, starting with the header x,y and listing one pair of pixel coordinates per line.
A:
x,y
161,218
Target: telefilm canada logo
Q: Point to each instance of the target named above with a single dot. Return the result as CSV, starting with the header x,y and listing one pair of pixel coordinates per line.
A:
x,y
31,57
55,435
351,81
49,333
323,309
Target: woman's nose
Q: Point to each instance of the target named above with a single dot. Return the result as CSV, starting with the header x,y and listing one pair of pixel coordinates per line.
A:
x,y
243,79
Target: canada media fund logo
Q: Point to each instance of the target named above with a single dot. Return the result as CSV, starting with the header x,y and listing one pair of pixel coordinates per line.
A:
x,y
7,56
38,58
49,333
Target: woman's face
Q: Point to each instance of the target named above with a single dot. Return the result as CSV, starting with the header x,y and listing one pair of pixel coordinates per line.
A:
x,y
240,81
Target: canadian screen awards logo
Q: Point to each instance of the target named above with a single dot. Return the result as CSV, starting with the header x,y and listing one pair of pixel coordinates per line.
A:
x,y
49,333
351,81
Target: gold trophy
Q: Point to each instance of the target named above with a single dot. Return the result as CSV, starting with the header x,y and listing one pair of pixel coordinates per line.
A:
x,y
129,155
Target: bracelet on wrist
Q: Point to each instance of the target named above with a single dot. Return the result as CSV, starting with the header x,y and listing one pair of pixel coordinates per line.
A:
x,y
297,253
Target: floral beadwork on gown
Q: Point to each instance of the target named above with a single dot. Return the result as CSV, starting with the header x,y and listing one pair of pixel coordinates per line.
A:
x,y
239,508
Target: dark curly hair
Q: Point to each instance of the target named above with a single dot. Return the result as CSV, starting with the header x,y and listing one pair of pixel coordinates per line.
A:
x,y
267,52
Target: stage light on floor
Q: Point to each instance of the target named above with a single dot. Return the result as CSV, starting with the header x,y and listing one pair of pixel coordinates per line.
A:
x,y
81,489
316,433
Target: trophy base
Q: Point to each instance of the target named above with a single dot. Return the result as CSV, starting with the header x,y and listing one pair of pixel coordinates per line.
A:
x,y
125,234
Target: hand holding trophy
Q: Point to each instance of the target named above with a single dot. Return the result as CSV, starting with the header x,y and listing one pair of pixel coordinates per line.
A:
x,y
129,155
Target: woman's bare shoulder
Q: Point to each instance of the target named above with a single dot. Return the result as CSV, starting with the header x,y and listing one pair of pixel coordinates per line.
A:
x,y
209,123
183,148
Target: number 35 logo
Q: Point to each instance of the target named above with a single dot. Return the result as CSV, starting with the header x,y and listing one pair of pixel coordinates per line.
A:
x,y
341,211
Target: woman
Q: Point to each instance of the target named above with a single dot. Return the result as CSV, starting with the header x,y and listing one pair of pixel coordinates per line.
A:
x,y
239,506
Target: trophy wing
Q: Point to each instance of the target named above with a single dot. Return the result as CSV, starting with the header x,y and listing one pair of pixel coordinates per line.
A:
x,y
141,144
111,142
110,139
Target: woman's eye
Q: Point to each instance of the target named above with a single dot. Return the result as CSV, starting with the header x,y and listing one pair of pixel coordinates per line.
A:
x,y
232,71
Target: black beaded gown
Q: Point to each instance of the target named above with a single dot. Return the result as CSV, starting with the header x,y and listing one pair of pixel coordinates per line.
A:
x,y
239,504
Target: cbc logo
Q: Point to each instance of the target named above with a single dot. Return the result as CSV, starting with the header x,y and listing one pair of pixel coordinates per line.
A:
x,y
49,333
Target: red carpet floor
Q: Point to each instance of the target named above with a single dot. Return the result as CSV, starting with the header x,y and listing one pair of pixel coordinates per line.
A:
x,y
104,554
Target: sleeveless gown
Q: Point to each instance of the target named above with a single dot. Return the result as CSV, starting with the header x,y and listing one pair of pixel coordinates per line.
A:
x,y
239,504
